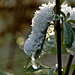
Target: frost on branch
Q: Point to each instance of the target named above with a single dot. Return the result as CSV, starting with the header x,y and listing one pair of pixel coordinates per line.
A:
x,y
40,23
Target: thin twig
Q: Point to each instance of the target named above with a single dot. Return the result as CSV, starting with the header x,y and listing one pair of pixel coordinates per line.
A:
x,y
58,29
69,64
73,72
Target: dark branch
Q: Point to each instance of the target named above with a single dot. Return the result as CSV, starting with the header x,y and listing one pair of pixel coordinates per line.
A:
x,y
69,64
58,29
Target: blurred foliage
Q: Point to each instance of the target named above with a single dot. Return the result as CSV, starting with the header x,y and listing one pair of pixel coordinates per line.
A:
x,y
3,73
15,21
50,46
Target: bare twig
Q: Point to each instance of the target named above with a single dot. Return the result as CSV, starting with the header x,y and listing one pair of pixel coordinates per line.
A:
x,y
69,64
58,29
73,72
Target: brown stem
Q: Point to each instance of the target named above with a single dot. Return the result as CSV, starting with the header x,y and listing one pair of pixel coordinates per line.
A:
x,y
73,72
58,29
69,64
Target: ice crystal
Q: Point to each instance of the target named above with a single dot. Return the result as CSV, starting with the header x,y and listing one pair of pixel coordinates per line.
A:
x,y
40,23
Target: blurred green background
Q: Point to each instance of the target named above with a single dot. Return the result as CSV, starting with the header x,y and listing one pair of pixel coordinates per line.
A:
x,y
15,21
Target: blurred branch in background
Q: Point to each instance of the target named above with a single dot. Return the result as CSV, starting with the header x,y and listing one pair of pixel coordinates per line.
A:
x,y
11,54
15,21
22,12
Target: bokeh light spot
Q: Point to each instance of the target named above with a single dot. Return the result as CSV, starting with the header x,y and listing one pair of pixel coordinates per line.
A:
x,y
20,41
